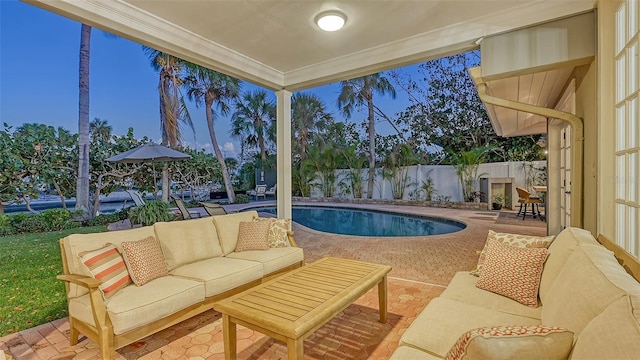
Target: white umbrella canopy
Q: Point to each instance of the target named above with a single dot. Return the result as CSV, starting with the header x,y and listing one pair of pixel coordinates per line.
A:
x,y
149,152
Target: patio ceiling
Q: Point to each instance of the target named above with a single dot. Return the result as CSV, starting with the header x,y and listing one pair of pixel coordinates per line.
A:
x,y
276,44
541,89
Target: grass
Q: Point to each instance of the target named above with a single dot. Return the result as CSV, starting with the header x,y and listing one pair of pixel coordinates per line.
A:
x,y
30,294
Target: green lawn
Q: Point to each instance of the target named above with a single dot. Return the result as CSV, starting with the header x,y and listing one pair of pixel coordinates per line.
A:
x,y
30,294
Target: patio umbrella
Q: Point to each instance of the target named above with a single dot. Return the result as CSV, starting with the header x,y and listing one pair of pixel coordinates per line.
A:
x,y
150,153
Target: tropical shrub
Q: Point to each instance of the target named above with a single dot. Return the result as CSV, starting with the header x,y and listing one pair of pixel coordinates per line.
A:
x,y
27,223
105,219
150,213
466,164
56,219
396,169
242,199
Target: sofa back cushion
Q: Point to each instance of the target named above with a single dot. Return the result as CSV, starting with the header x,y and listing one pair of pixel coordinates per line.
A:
x,y
77,243
590,281
614,334
228,227
184,242
559,252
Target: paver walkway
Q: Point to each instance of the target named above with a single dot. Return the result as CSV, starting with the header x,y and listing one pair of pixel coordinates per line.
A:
x,y
422,267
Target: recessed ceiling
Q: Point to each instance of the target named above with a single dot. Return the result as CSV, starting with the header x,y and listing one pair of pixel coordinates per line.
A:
x,y
276,44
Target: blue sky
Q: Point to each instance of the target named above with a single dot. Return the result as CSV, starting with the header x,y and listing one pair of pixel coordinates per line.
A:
x,y
39,80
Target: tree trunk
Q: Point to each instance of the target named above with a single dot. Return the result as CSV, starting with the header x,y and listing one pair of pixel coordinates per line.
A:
x,y
165,182
372,147
82,186
216,149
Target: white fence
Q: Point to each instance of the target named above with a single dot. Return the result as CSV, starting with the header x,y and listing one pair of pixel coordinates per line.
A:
x,y
445,179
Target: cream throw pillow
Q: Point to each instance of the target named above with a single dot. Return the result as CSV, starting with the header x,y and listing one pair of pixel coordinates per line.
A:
x,y
512,342
513,272
517,240
278,230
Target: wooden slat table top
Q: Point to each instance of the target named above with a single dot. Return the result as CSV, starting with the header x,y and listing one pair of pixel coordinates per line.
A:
x,y
295,303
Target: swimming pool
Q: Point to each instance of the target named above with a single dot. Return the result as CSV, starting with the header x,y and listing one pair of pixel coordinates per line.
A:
x,y
362,222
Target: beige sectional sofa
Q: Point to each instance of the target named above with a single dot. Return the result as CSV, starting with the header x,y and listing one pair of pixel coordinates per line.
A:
x,y
583,289
203,268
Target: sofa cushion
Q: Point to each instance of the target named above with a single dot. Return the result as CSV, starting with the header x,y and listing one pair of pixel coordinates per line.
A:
x,y
77,243
505,342
463,288
107,265
513,272
408,352
582,289
273,259
136,306
613,334
253,235
559,252
184,242
220,274
144,259
517,240
442,322
227,227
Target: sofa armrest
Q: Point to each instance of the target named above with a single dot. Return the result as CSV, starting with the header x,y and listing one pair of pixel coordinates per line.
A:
x,y
84,281
292,242
98,307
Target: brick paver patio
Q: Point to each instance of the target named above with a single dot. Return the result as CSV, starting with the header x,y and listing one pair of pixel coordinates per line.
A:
x,y
422,267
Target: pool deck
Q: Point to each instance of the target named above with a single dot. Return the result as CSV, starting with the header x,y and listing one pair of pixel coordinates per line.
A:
x,y
422,267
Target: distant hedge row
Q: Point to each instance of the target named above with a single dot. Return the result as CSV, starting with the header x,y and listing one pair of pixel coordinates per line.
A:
x,y
52,220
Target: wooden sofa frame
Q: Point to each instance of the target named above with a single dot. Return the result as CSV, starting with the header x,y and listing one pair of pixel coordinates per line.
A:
x,y
103,334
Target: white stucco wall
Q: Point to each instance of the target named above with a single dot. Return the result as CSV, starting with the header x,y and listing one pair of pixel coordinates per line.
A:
x,y
444,177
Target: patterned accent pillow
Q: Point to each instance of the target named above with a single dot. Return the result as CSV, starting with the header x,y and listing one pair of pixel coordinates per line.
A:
x,y
513,272
517,240
277,237
107,265
253,235
513,342
145,260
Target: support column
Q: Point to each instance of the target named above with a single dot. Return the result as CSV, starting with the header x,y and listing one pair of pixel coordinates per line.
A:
x,y
283,156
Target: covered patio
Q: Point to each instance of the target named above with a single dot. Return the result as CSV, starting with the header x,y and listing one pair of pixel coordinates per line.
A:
x,y
422,267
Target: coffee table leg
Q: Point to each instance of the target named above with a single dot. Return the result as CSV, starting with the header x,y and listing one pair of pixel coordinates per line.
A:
x,y
295,349
229,335
382,299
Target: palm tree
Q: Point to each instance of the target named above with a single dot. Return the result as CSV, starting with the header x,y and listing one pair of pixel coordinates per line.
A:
x,y
173,109
100,129
357,92
308,115
254,114
82,185
211,87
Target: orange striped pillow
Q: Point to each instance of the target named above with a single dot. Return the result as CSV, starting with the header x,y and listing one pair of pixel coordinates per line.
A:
x,y
107,265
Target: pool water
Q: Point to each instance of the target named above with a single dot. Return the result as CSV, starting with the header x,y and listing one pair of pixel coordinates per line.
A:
x,y
349,221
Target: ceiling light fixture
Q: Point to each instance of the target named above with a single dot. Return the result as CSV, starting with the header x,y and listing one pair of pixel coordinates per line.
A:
x,y
332,20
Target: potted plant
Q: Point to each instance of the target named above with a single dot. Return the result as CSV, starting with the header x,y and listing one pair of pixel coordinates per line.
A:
x,y
498,201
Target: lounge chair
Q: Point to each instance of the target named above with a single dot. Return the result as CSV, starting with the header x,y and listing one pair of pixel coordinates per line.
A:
x,y
186,213
213,208
272,190
136,197
260,190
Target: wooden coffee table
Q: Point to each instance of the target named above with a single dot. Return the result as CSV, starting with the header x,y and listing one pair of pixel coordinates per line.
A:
x,y
293,306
